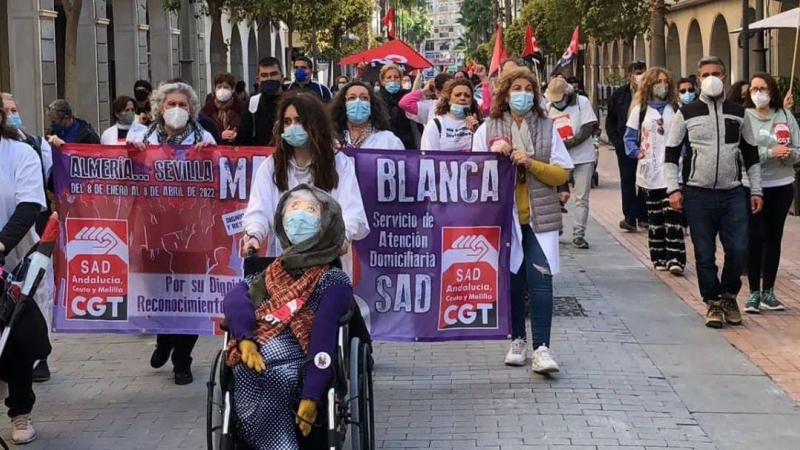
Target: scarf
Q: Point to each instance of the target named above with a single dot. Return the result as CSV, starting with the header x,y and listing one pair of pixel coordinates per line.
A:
x,y
287,307
164,138
366,132
224,112
658,105
321,249
530,139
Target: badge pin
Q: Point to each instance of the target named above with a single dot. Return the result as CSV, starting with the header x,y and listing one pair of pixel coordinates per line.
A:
x,y
322,360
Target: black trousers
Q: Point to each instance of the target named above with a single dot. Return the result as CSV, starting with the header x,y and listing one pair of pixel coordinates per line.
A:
x,y
181,346
17,372
766,234
665,232
633,206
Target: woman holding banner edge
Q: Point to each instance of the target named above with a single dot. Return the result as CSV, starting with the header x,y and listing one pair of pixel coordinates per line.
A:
x,y
174,107
518,128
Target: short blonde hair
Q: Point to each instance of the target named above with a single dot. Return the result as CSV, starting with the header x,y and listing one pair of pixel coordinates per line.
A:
x,y
389,67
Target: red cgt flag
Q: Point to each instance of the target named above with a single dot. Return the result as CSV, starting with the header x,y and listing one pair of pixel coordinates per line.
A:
x,y
388,23
499,53
532,50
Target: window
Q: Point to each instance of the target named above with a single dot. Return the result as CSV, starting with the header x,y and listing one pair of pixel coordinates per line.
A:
x,y
429,46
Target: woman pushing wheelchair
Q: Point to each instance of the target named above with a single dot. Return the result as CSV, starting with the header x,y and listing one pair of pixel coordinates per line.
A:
x,y
285,317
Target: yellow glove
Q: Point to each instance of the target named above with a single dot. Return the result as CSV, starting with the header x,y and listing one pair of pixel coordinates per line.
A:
x,y
308,411
251,357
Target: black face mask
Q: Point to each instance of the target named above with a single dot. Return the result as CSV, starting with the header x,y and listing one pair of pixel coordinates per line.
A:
x,y
141,95
270,87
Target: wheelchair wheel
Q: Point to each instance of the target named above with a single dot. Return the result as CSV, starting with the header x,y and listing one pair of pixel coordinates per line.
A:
x,y
362,429
217,407
595,180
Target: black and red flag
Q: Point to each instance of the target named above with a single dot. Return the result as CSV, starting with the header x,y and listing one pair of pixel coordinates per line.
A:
x,y
569,54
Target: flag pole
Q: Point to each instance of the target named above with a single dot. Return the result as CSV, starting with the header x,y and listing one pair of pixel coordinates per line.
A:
x,y
794,55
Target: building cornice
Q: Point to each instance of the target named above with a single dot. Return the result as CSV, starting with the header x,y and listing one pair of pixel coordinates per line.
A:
x,y
48,14
683,4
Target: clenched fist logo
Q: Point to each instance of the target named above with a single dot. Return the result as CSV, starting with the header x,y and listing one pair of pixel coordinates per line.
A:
x,y
470,249
97,241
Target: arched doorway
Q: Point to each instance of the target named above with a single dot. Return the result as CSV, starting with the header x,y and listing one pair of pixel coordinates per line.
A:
x,y
627,54
615,62
721,44
694,48
237,63
674,52
252,56
639,51
218,57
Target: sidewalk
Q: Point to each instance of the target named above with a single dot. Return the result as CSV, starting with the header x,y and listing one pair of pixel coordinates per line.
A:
x,y
771,339
639,372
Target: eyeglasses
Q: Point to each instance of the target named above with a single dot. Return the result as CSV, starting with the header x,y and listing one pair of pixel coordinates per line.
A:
x,y
759,89
660,123
683,91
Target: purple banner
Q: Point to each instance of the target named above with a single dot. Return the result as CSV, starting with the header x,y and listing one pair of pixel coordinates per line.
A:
x,y
435,266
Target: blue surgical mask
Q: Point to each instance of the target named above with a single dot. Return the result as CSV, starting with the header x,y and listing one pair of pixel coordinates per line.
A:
x,y
15,121
358,111
300,75
459,111
393,87
687,97
300,226
295,135
560,105
521,102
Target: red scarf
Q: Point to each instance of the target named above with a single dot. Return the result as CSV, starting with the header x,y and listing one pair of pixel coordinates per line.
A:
x,y
287,306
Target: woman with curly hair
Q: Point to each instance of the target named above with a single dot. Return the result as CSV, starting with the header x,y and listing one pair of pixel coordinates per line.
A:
x,y
175,107
362,120
519,129
652,110
305,154
457,118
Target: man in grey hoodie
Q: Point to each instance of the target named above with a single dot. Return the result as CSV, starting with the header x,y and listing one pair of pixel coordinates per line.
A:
x,y
716,138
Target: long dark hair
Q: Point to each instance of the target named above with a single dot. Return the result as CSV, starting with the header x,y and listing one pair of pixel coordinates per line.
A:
x,y
443,104
735,93
319,126
7,131
775,100
378,117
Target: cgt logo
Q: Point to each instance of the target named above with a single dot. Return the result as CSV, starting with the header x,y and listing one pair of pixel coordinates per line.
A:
x,y
98,308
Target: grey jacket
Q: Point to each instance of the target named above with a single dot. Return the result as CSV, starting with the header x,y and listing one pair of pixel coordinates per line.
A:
x,y
715,134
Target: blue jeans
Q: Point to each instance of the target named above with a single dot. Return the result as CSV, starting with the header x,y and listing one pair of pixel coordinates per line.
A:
x,y
534,276
711,212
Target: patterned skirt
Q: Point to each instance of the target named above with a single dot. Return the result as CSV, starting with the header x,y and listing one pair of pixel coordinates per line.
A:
x,y
265,403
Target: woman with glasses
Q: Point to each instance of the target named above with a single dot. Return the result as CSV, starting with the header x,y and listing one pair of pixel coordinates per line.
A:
x,y
652,110
778,138
687,91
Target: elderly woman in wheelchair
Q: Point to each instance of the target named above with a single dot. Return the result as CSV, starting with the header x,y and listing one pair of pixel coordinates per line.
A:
x,y
286,317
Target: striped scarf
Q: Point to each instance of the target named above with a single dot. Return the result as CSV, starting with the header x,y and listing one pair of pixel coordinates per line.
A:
x,y
286,307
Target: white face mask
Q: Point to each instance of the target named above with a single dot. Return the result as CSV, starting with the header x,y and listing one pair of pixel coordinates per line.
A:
x,y
712,87
760,99
223,94
638,78
176,118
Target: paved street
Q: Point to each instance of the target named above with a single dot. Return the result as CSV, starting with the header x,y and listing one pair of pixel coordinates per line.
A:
x,y
639,371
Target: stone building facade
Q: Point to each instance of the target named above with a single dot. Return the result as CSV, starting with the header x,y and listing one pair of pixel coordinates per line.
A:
x,y
119,42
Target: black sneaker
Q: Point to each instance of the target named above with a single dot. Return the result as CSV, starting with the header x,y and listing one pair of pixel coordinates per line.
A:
x,y
183,377
41,372
627,226
160,357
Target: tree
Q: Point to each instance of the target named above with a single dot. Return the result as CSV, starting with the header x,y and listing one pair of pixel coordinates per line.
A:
x,y
72,9
415,25
658,50
478,23
554,21
610,20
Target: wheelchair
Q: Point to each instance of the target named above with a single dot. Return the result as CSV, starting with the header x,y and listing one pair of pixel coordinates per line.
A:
x,y
347,406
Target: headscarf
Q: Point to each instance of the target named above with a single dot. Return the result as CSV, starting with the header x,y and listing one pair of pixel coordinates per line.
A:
x,y
321,249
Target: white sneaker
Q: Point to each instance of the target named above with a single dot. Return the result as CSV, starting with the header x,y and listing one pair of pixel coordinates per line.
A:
x,y
542,362
517,353
22,432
